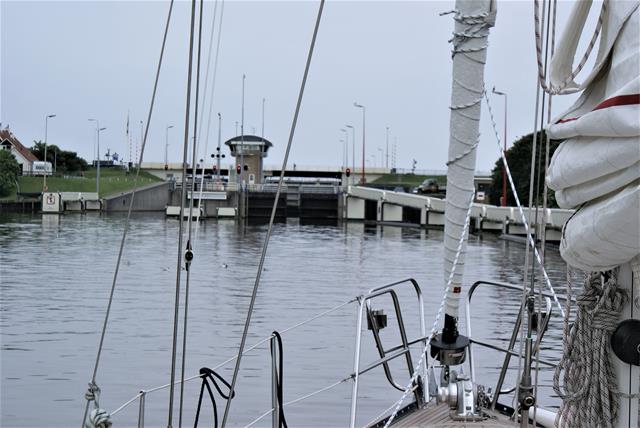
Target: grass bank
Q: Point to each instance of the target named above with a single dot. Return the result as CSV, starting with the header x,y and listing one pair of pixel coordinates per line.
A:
x,y
112,180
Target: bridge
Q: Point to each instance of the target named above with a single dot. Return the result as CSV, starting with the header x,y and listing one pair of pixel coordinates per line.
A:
x,y
174,171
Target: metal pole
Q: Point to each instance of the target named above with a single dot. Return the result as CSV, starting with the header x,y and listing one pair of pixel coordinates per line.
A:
x,y
275,415
387,152
219,139
166,147
44,178
504,172
263,100
242,135
353,148
363,180
356,367
46,129
345,149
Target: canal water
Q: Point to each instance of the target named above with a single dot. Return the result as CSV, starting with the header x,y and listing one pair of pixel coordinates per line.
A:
x,y
56,274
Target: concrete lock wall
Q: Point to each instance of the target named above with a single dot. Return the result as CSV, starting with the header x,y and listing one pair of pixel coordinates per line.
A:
x,y
391,212
355,209
154,197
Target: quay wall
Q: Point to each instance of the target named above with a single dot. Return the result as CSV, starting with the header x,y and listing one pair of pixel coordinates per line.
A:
x,y
154,197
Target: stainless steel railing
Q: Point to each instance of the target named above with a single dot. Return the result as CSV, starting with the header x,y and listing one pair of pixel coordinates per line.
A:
x,y
389,354
509,352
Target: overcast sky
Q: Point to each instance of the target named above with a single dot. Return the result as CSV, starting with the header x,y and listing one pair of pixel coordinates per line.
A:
x,y
90,59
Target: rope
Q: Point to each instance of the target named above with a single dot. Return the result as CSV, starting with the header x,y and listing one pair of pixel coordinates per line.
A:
x,y
127,221
279,375
588,391
434,329
98,418
207,375
521,211
477,27
542,73
273,212
176,310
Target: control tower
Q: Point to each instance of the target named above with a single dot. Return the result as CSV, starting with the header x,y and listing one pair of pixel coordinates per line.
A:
x,y
251,150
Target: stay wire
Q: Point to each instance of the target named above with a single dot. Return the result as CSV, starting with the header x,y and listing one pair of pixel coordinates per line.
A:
x,y
176,308
190,219
527,255
130,209
552,23
213,90
273,213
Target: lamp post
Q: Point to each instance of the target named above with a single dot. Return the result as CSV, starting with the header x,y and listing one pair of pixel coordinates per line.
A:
x,y
353,148
98,130
386,165
504,169
363,180
218,155
381,155
166,148
46,126
244,77
345,149
263,101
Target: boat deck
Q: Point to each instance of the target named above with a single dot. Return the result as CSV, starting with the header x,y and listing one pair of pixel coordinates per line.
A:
x,y
437,416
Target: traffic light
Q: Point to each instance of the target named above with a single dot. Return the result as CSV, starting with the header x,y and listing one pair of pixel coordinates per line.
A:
x,y
215,169
348,172
238,169
246,167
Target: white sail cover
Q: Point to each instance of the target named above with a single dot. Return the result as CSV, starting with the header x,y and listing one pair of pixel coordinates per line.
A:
x,y
597,167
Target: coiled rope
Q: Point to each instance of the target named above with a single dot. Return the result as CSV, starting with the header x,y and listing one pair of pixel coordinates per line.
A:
x,y
98,418
588,391
207,375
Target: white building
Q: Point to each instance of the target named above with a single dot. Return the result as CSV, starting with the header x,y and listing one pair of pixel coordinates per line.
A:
x,y
25,158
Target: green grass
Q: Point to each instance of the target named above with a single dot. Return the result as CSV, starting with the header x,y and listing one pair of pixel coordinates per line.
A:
x,y
409,179
112,181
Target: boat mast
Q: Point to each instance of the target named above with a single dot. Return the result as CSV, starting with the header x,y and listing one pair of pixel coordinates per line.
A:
x,y
473,19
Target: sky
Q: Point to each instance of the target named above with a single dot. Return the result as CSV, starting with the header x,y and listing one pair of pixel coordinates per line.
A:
x,y
88,59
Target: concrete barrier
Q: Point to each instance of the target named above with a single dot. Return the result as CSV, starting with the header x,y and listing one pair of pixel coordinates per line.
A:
x,y
153,197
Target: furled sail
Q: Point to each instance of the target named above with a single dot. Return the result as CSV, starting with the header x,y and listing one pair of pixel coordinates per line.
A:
x,y
473,20
597,168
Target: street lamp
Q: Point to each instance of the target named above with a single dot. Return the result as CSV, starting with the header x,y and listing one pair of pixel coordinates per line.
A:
x,y
362,179
381,155
387,156
46,125
244,77
353,147
219,154
98,130
166,148
345,149
504,168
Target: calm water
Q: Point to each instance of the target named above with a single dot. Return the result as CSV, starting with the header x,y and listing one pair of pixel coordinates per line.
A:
x,y
56,273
